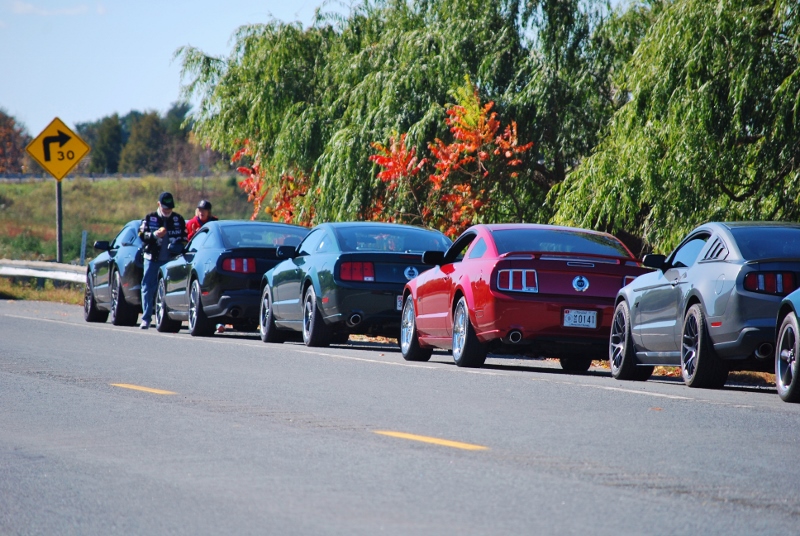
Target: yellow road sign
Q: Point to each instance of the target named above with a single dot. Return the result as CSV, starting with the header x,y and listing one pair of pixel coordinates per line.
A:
x,y
57,149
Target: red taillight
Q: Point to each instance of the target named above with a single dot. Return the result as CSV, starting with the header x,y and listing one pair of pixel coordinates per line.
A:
x,y
357,271
240,265
517,280
780,283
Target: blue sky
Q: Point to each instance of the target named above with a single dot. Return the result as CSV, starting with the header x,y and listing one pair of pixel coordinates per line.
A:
x,y
82,60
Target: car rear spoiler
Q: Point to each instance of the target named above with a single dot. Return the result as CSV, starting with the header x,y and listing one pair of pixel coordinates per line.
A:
x,y
772,259
575,257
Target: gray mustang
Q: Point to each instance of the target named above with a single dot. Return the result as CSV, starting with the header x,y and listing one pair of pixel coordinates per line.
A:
x,y
710,306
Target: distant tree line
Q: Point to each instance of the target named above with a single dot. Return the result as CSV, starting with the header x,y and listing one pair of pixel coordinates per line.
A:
x,y
138,142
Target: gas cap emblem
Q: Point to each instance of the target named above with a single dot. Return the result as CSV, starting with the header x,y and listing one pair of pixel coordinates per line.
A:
x,y
580,283
411,273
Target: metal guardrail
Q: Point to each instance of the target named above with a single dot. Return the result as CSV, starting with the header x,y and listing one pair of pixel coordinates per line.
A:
x,y
43,270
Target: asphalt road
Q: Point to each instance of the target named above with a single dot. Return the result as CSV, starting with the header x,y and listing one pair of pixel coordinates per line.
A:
x,y
241,437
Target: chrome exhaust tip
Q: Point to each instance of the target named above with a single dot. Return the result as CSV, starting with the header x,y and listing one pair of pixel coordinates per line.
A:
x,y
354,320
764,351
515,336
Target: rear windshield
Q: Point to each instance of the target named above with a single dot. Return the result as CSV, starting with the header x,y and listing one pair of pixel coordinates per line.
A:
x,y
260,236
767,242
381,238
555,241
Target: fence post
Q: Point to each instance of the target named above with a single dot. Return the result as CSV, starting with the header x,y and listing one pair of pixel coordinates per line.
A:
x,y
83,247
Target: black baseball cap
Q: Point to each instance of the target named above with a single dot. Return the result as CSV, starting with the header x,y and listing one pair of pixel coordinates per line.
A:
x,y
166,200
205,204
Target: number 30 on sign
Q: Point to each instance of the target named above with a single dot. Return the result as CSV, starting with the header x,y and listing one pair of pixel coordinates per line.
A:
x,y
57,149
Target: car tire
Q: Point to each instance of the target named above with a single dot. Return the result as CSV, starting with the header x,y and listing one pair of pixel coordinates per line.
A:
x,y
122,313
787,375
575,364
199,325
621,353
700,365
409,343
90,311
164,323
468,351
315,331
266,320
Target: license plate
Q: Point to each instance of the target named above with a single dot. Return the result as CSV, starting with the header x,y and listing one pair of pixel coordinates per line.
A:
x,y
399,303
575,318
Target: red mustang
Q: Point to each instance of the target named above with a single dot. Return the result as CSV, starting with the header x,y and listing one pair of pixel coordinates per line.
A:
x,y
517,288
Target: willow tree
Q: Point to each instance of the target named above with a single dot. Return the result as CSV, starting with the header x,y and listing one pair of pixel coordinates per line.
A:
x,y
309,103
711,131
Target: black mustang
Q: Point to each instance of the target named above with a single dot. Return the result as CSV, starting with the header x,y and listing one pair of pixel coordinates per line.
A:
x,y
344,278
216,279
114,279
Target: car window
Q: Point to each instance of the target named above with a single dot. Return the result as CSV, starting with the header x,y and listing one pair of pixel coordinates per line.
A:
x,y
127,236
259,235
767,242
312,242
390,238
326,244
557,241
197,241
478,249
459,247
686,254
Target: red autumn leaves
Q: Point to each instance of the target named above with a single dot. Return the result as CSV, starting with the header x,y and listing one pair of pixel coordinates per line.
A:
x,y
450,189
464,172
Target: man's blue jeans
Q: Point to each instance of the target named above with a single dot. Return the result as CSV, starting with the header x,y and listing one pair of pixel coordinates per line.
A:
x,y
150,287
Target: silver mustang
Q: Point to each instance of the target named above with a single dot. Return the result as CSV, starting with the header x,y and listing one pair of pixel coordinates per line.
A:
x,y
710,306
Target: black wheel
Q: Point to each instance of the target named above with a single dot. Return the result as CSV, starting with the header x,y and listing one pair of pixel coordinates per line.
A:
x,y
164,323
576,364
787,375
409,343
199,325
266,320
122,313
90,311
315,331
468,351
621,353
700,365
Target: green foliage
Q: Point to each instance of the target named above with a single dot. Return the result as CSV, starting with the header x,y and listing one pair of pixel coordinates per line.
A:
x,y
145,150
312,101
711,129
107,146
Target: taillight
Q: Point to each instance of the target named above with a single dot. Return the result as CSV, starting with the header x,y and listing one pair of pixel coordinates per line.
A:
x,y
357,271
780,283
239,265
517,280
628,279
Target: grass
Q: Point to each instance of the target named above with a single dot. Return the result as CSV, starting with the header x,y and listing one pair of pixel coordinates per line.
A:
x,y
27,289
101,207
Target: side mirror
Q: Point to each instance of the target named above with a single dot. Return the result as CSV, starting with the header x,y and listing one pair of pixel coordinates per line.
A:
x,y
176,248
102,245
433,258
286,252
655,261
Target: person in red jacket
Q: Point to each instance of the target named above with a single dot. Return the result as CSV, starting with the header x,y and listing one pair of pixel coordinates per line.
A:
x,y
202,214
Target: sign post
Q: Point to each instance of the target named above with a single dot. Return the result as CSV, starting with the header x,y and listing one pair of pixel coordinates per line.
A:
x,y
57,149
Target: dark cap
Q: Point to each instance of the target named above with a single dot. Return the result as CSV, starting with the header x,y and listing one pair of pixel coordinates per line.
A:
x,y
166,200
205,204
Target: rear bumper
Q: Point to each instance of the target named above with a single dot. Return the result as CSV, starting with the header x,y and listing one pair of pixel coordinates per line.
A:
x,y
376,307
541,319
748,340
236,305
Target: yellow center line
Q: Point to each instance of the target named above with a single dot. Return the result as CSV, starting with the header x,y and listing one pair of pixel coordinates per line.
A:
x,y
145,389
433,440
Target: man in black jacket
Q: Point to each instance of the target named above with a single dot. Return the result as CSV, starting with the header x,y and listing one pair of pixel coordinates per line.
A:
x,y
163,233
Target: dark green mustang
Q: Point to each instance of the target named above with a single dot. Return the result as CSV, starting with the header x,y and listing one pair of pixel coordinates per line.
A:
x,y
343,278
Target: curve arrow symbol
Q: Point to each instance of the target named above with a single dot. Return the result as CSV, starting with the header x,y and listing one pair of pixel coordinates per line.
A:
x,y
61,139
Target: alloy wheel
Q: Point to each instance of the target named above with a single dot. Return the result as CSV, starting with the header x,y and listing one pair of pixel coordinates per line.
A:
x,y
407,326
689,350
619,331
194,298
459,331
786,369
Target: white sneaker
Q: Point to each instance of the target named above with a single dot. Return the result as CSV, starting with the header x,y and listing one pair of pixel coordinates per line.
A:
x,y
144,325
